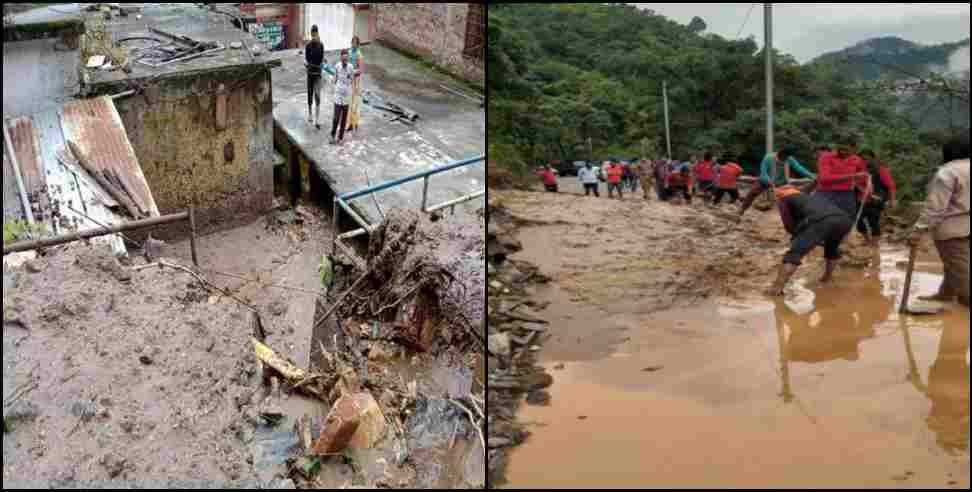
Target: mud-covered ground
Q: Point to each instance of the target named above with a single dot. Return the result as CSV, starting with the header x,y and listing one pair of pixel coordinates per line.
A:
x,y
137,379
148,379
612,263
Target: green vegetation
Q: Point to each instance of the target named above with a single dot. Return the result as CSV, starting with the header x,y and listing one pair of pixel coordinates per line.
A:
x,y
565,76
20,230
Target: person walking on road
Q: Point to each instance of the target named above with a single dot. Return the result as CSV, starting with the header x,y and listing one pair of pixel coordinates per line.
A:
x,y
646,173
812,221
775,171
662,169
727,182
549,179
631,176
884,193
615,177
946,219
588,177
705,174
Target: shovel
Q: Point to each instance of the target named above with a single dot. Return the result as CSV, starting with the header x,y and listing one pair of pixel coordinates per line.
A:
x,y
918,309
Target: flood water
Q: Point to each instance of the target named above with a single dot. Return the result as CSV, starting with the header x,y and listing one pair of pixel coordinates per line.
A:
x,y
829,388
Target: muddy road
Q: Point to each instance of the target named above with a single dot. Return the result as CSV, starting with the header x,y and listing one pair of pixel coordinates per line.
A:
x,y
671,370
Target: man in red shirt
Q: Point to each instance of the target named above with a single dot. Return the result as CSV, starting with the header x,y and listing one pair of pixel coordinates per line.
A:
x,y
549,179
841,173
705,173
727,182
680,181
615,176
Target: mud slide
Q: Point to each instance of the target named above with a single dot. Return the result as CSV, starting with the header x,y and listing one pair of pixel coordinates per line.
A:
x,y
128,375
669,369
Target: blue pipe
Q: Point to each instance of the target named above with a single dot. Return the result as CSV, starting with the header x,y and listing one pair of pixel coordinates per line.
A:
x,y
391,184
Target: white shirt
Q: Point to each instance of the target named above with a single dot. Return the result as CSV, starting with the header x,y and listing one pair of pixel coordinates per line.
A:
x,y
587,175
946,212
343,78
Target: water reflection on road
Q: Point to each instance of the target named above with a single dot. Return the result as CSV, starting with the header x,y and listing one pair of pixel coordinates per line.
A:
x,y
829,388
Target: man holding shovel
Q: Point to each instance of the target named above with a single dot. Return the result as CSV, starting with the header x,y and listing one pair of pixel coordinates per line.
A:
x,y
946,219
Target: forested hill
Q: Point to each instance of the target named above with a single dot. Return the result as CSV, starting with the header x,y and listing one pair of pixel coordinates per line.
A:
x,y
565,76
894,58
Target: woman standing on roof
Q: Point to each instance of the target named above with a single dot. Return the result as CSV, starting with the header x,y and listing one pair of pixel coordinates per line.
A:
x,y
357,61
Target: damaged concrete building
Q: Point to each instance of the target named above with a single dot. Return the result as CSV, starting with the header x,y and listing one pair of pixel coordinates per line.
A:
x,y
202,128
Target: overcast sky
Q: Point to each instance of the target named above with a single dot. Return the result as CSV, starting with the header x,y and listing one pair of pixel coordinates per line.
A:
x,y
806,30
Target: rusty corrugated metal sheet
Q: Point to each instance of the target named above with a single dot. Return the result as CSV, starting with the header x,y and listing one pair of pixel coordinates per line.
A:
x,y
96,128
25,142
12,208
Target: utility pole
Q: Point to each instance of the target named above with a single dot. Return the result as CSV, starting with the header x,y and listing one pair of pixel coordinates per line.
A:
x,y
590,148
668,133
770,146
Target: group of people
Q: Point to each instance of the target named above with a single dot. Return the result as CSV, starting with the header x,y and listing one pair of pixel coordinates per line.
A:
x,y
347,75
851,190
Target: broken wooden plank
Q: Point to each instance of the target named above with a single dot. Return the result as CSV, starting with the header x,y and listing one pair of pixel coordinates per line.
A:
x,y
102,181
71,164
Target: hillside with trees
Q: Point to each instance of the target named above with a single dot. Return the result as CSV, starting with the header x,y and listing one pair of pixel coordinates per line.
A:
x,y
574,81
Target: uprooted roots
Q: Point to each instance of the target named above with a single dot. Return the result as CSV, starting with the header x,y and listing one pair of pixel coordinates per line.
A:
x,y
400,273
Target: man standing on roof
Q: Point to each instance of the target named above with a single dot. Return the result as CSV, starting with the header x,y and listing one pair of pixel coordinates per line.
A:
x,y
812,221
946,219
615,176
344,74
841,174
774,172
314,58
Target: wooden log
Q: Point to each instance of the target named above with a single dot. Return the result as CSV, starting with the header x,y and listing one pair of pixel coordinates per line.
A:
x,y
109,188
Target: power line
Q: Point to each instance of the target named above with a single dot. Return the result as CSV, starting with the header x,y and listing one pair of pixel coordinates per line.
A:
x,y
748,15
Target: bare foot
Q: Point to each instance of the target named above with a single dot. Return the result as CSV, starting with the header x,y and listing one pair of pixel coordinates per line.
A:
x,y
826,279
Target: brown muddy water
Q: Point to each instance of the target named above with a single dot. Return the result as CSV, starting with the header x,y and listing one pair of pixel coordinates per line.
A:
x,y
828,388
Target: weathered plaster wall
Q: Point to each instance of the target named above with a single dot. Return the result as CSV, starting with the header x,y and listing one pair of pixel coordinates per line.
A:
x,y
227,173
435,31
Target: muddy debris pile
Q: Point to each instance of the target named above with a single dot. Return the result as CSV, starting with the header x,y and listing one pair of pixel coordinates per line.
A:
x,y
514,340
114,377
395,348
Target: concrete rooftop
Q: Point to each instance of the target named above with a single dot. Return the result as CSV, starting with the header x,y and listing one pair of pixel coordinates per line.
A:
x,y
38,75
449,128
181,19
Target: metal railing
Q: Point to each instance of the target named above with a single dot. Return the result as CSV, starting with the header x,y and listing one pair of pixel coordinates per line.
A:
x,y
343,202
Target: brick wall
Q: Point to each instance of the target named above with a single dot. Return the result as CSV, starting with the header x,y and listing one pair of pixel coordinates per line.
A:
x,y
434,31
228,172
